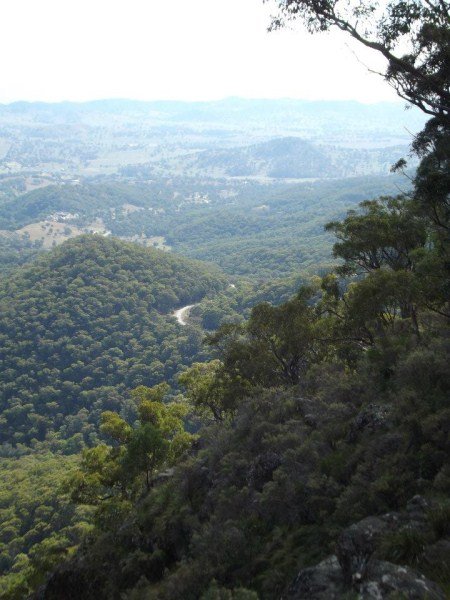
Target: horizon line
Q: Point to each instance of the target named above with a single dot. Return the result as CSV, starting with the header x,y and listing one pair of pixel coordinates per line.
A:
x,y
209,101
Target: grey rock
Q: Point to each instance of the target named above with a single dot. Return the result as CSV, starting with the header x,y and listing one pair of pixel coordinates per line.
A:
x,y
418,504
322,582
382,581
373,417
260,471
356,546
385,580
354,572
417,508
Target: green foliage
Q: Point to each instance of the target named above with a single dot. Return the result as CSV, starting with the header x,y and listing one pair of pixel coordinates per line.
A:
x,y
439,518
84,324
146,452
214,592
16,251
404,547
281,239
39,527
206,389
87,201
383,234
269,489
111,476
411,36
336,398
276,346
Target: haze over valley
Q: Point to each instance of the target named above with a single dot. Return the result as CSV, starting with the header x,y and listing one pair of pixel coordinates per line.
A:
x,y
210,180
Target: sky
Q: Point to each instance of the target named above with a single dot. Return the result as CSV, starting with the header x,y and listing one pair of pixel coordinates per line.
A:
x,y
54,50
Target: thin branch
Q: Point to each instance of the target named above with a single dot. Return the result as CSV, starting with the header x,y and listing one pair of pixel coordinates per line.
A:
x,y
383,50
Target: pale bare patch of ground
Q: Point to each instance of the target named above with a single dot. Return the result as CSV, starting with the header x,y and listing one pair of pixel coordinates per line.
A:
x,y
128,209
52,233
156,241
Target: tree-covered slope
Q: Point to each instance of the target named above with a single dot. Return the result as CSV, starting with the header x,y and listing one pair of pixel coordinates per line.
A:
x,y
276,233
246,227
92,314
325,438
39,527
16,251
87,201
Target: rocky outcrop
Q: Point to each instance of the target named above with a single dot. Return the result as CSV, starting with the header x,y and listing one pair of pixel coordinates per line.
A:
x,y
381,580
356,571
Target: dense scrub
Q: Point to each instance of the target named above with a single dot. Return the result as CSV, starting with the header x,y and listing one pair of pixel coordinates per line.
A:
x,y
268,492
324,409
318,411
16,251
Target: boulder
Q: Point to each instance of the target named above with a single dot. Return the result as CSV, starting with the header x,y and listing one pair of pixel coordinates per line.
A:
x,y
262,468
386,580
356,572
372,418
356,545
322,582
382,581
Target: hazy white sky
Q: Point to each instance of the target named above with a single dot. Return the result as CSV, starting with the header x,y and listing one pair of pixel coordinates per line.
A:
x,y
170,49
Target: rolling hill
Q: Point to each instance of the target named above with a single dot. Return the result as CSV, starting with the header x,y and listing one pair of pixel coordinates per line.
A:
x,y
83,324
288,158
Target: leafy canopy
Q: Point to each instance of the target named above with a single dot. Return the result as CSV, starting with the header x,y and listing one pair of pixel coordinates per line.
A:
x,y
112,475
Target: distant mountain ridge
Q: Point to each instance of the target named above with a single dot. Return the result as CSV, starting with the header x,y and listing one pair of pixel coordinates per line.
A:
x,y
270,114
76,140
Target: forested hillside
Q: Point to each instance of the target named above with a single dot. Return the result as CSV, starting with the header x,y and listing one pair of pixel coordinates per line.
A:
x,y
277,233
16,251
321,468
290,440
248,228
337,398
39,526
85,323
